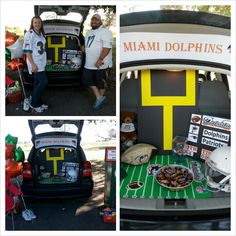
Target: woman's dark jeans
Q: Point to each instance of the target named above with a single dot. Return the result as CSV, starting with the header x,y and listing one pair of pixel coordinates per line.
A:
x,y
40,83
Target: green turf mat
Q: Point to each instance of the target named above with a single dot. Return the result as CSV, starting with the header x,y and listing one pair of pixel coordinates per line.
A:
x,y
151,189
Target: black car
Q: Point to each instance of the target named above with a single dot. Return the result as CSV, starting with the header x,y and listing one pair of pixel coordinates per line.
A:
x,y
64,40
56,166
152,83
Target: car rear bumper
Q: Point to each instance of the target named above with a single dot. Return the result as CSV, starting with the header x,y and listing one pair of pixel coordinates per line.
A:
x,y
84,190
175,223
159,214
57,78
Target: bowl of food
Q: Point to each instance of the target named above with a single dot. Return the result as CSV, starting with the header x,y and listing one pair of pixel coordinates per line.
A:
x,y
174,177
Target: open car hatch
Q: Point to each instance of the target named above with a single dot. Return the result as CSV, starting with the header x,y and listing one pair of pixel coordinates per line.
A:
x,y
58,136
62,10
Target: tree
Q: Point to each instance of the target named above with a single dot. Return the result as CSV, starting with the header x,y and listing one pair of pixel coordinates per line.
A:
x,y
110,12
224,10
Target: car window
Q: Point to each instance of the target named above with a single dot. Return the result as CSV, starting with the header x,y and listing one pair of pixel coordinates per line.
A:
x,y
72,16
45,128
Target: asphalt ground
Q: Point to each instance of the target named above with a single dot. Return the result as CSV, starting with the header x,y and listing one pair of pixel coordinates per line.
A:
x,y
69,101
68,214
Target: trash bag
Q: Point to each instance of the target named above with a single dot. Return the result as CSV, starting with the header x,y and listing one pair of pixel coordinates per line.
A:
x,y
11,139
9,151
19,155
13,168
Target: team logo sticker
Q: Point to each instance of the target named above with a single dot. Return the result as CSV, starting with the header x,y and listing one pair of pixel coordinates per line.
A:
x,y
192,138
152,169
135,185
194,129
196,119
217,123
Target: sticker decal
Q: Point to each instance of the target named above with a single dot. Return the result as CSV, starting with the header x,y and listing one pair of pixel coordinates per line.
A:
x,y
196,119
205,154
135,185
152,169
216,135
189,150
200,189
194,129
192,138
217,123
213,143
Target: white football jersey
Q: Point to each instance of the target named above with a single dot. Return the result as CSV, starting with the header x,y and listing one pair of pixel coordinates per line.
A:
x,y
35,43
95,41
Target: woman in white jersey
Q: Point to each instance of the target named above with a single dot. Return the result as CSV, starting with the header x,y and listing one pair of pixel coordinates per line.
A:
x,y
34,48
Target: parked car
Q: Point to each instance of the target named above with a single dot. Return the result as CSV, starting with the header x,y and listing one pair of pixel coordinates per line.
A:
x,y
64,39
150,83
56,165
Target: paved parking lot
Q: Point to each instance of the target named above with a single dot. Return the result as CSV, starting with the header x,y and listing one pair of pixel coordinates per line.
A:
x,y
68,214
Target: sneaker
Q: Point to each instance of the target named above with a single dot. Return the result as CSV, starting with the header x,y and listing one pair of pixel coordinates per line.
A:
x,y
37,109
31,213
44,106
99,102
26,215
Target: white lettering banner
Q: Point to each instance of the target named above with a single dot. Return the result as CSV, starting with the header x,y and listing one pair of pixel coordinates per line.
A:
x,y
52,29
46,142
139,46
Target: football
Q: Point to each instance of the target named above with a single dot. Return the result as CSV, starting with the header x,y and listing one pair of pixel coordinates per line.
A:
x,y
138,154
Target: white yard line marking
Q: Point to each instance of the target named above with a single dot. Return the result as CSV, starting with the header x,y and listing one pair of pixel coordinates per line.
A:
x,y
124,178
153,181
131,180
168,163
191,183
135,196
125,196
160,188
185,194
144,189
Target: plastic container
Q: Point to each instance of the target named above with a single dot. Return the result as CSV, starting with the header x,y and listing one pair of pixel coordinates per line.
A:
x,y
14,97
178,148
109,218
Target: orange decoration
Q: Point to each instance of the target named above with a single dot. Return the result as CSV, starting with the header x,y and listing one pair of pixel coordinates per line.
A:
x,y
9,151
13,64
10,38
13,168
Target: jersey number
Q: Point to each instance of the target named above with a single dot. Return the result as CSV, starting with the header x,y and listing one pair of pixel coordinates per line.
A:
x,y
40,45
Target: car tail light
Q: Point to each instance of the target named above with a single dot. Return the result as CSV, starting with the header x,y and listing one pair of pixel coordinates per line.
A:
x,y
27,171
87,170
